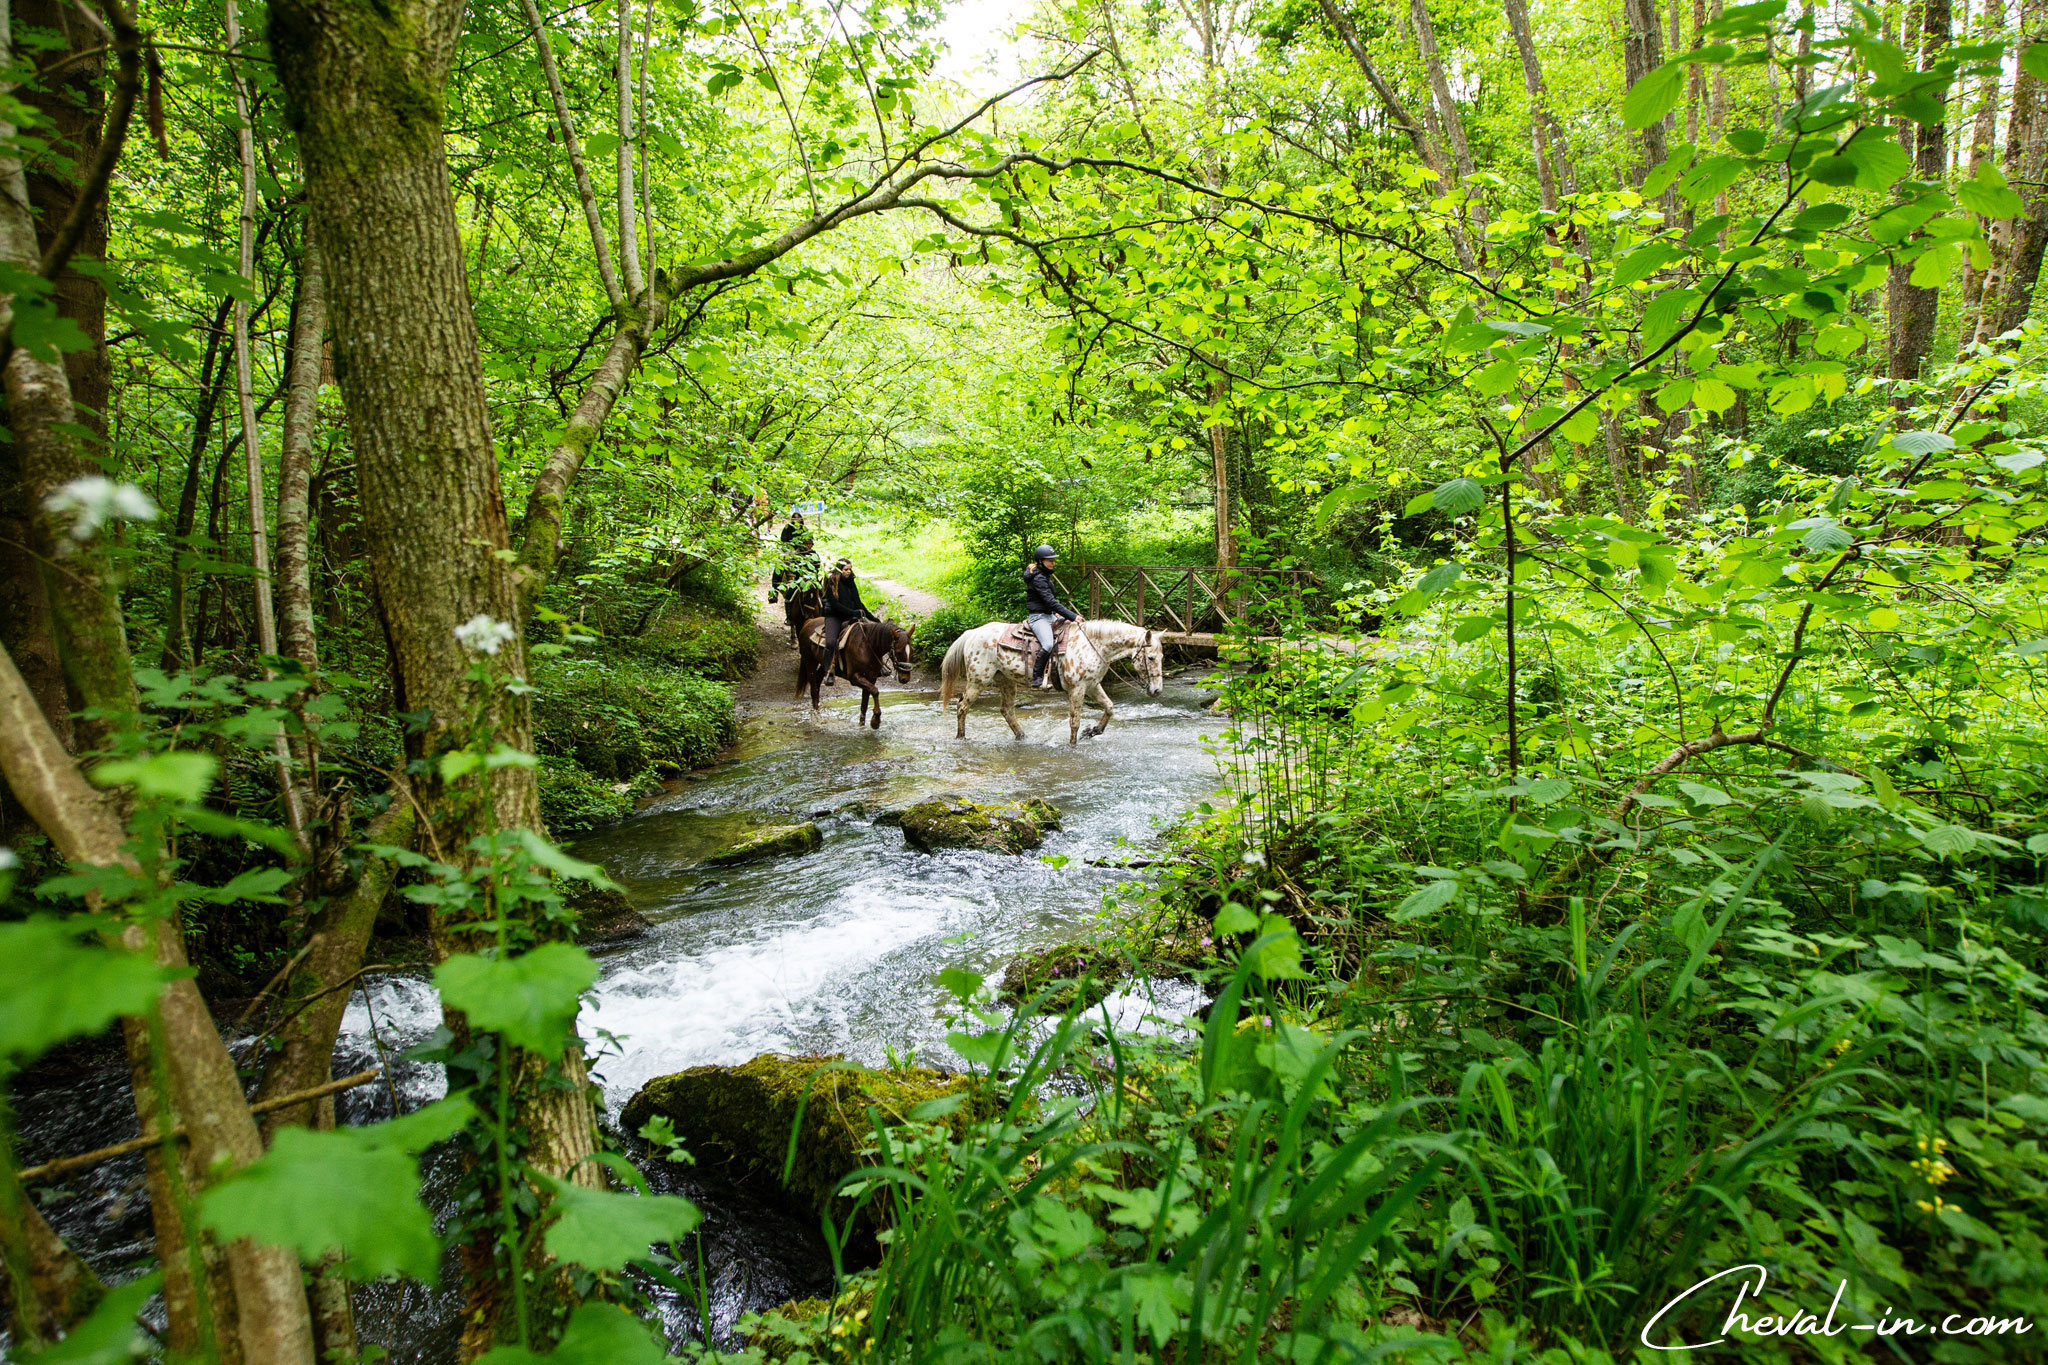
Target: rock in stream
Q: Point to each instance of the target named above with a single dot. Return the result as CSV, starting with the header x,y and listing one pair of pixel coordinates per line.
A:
x,y
955,822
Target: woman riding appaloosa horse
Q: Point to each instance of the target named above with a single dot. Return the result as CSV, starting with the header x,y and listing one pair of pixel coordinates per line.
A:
x,y
990,656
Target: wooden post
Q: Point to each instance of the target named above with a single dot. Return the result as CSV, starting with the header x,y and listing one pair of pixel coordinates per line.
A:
x,y
1143,580
1190,626
1094,591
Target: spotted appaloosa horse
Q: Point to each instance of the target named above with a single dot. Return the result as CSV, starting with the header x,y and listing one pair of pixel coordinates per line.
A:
x,y
976,661
866,648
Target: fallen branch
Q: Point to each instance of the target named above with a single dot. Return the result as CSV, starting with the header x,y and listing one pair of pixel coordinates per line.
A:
x,y
65,1165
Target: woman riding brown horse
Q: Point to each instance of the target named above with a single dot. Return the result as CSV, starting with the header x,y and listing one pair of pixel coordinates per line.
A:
x,y
866,649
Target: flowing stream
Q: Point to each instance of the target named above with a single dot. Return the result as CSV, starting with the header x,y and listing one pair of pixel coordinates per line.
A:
x,y
834,951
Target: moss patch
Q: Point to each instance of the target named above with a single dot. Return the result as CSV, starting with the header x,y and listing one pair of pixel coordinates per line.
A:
x,y
954,822
742,1115
1079,975
772,841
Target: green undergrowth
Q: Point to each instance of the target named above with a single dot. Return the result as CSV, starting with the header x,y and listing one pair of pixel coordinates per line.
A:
x,y
606,730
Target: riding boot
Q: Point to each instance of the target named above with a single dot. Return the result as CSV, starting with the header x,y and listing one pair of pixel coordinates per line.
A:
x,y
1039,667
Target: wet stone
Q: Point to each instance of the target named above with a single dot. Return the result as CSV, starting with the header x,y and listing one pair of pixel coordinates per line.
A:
x,y
604,915
741,1116
768,841
955,822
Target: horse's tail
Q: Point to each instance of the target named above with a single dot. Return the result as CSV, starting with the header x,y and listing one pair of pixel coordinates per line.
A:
x,y
950,669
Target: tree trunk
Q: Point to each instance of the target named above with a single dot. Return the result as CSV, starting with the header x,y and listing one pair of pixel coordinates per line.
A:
x,y
1642,52
1426,149
178,652
2018,243
1555,174
295,463
1447,107
1913,310
365,91
1983,146
1226,542
71,102
51,1288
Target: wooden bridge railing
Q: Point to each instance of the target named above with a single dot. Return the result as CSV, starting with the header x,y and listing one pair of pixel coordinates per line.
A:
x,y
1189,601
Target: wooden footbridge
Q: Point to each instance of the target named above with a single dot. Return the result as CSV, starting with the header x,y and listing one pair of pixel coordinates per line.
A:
x,y
1192,606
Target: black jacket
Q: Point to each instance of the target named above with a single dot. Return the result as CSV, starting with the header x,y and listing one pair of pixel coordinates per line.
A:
x,y
1039,598
842,599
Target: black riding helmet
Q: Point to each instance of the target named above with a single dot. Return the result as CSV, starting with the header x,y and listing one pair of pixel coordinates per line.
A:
x,y
1045,552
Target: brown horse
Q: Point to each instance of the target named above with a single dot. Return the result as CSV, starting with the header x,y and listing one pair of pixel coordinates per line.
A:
x,y
866,648
800,605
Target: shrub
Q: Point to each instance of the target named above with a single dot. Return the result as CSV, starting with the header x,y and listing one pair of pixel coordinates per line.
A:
x,y
571,800
621,719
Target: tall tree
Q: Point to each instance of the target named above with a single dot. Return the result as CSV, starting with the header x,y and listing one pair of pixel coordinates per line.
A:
x,y
1913,309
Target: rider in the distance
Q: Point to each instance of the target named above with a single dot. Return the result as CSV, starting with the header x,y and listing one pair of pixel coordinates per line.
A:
x,y
1041,606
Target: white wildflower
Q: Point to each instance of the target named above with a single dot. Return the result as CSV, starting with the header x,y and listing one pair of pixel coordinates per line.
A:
x,y
483,634
8,862
1254,858
96,500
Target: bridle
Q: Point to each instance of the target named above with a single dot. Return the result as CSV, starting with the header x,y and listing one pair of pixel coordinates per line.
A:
x,y
899,650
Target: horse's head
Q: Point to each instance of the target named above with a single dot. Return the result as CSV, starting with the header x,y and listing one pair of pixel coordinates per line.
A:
x,y
1152,663
899,650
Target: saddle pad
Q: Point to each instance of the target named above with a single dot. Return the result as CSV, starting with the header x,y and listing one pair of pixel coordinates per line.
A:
x,y
1019,637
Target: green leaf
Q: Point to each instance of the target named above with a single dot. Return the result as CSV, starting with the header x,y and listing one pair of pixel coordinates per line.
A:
x,y
1935,265
1582,426
1922,442
1988,195
1675,395
1276,953
1653,96
1472,628
2038,844
1426,900
110,1335
544,852
180,775
1666,314
2034,60
1947,841
1234,918
1458,497
1711,395
1645,261
598,1334
1497,378
2019,461
961,983
1439,577
56,987
600,1230
1419,504
531,999
1545,790
1702,795
1829,539
353,1190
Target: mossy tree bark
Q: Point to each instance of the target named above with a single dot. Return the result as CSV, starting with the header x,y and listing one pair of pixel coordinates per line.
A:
x,y
365,93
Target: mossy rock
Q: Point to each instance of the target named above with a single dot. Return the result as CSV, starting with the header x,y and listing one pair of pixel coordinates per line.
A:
x,y
742,1116
769,841
602,915
1080,975
955,822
